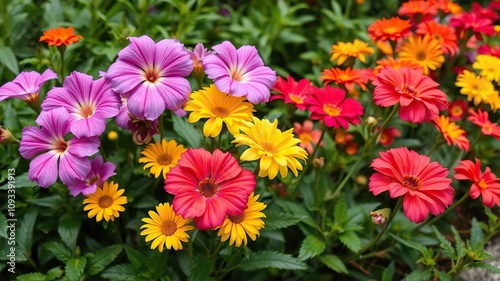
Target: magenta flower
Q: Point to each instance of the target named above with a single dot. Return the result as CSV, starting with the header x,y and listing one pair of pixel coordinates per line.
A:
x,y
240,72
100,171
53,150
123,115
88,102
26,85
151,75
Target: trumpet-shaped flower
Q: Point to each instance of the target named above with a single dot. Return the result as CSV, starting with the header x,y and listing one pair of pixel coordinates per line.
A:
x,y
26,85
100,171
484,184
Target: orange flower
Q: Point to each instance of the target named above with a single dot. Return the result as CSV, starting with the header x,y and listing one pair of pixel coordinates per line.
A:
x,y
357,49
423,8
447,6
443,34
423,50
60,35
451,132
396,64
389,29
347,77
307,134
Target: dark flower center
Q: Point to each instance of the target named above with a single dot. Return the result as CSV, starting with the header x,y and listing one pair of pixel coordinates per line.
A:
x,y
60,146
412,182
105,201
208,187
220,111
168,228
237,219
421,56
164,159
410,90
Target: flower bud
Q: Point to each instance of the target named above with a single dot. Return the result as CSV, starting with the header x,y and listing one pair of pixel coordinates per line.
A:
x,y
380,216
7,137
142,130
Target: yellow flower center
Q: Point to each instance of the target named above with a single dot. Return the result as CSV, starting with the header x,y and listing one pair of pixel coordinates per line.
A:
x,y
296,98
208,187
168,228
482,184
331,109
268,147
412,182
487,128
105,202
87,110
456,111
390,29
237,219
164,159
220,111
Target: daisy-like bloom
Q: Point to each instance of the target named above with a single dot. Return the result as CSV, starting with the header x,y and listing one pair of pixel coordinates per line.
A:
x,y
387,136
208,187
236,228
166,228
357,49
276,150
445,35
486,49
60,35
448,6
484,184
88,102
418,95
424,184
389,29
330,105
396,64
481,119
105,202
457,109
347,77
471,21
162,156
484,12
142,130
220,108
197,55
240,72
293,92
151,76
308,136
423,50
418,10
100,171
489,67
56,156
452,133
477,88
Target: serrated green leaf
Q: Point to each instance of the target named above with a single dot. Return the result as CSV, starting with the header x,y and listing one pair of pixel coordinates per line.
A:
x,y
485,266
100,259
448,249
120,272
26,227
8,58
3,226
351,240
37,276
74,268
135,257
201,268
298,210
419,275
311,247
54,273
187,131
277,220
334,263
271,259
340,211
68,228
476,234
459,244
60,251
443,276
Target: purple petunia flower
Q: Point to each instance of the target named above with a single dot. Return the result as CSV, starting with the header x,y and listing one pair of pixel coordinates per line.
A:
x,y
88,102
151,75
26,85
100,171
51,146
240,72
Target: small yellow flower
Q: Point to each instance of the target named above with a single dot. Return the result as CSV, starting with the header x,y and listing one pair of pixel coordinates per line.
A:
x,y
105,202
357,49
112,135
475,87
161,157
489,66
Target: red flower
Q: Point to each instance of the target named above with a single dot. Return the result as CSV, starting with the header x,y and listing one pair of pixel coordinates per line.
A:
x,y
208,187
331,106
442,33
424,184
307,134
485,184
387,136
481,119
488,13
293,92
347,77
452,133
417,94
421,10
456,109
60,35
471,21
486,49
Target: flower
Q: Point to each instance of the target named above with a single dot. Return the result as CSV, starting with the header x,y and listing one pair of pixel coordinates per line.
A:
x,y
207,187
240,72
151,76
489,67
142,130
293,92
423,184
276,150
105,202
443,34
51,148
389,29
88,102
100,171
387,136
473,22
396,64
307,135
486,49
448,6
418,10
60,35
331,105
166,228
423,50
219,108
452,133
357,49
418,95
483,183
484,12
160,157
476,88
481,119
457,109
6,136
197,55
249,222
347,77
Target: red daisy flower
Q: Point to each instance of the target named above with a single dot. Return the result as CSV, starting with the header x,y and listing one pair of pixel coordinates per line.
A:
x,y
486,49
347,77
208,187
418,10
389,29
418,95
471,21
293,92
424,184
481,119
484,12
456,109
387,136
442,33
485,184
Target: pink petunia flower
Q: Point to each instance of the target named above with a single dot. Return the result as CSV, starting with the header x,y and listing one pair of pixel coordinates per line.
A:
x,y
240,72
88,102
123,116
151,75
423,184
472,21
484,184
100,171
208,187
56,156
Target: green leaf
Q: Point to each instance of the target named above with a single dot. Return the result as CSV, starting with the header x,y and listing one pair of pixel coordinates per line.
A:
x,y
74,268
21,181
459,244
135,257
388,273
26,227
60,251
448,249
334,263
351,240
8,58
277,220
187,131
120,272
37,276
271,259
54,273
68,228
10,119
311,247
340,211
419,275
3,226
201,268
97,261
410,244
485,266
476,234
298,210
443,276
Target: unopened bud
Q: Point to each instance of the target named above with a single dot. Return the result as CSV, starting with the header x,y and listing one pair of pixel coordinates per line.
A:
x,y
380,216
370,120
318,162
7,137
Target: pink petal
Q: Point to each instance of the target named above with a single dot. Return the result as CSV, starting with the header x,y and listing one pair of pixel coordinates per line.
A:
x,y
43,169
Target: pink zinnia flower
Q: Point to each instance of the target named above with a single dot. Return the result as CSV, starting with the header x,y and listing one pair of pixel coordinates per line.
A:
x,y
240,72
457,109
481,119
387,136
485,184
307,134
49,143
88,102
423,184
208,187
293,92
472,21
417,94
100,171
151,75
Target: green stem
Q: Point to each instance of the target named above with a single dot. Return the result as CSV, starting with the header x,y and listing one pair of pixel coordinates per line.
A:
x,y
348,9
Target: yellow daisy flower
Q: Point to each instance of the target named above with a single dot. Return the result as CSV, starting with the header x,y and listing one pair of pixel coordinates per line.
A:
x,y
218,107
423,50
489,66
165,227
276,150
357,49
248,223
475,87
105,202
161,157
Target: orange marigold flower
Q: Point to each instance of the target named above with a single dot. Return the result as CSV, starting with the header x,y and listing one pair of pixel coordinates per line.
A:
x,y
445,35
347,77
451,132
418,10
423,50
396,64
357,49
60,35
389,29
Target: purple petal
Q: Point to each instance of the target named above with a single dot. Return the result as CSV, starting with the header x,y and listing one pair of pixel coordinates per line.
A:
x,y
81,187
172,59
73,168
146,102
174,91
124,77
248,58
55,122
122,117
34,140
46,76
43,169
227,53
83,146
87,127
140,52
